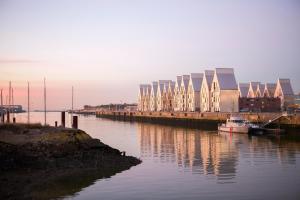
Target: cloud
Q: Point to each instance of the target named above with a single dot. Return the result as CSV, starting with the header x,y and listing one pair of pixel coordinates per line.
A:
x,y
18,61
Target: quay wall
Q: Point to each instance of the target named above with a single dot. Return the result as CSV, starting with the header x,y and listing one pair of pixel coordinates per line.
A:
x,y
200,120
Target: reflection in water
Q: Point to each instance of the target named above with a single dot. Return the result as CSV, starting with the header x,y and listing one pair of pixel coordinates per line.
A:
x,y
193,150
211,153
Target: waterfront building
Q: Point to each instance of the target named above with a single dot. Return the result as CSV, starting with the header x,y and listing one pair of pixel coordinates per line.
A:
x,y
147,95
177,93
269,89
225,94
193,93
259,90
262,104
285,92
170,96
243,89
153,99
160,95
205,91
183,92
140,97
252,89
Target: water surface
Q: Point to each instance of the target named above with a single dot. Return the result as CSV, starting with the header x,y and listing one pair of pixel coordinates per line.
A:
x,y
181,163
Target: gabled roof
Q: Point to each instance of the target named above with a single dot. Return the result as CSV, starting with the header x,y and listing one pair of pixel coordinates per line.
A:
x,y
243,89
178,80
226,78
185,81
161,84
270,89
209,76
260,89
171,86
254,85
147,89
154,87
141,90
286,86
196,81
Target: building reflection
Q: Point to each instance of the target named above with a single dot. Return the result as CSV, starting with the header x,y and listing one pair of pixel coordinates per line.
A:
x,y
205,153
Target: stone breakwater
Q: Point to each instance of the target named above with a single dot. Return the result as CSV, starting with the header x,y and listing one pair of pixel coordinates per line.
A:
x,y
32,156
205,120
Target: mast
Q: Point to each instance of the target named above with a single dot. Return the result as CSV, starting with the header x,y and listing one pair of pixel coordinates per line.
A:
x,y
72,106
45,107
9,95
12,100
1,98
28,110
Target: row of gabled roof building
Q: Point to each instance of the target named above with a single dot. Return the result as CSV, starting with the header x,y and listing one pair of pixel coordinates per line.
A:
x,y
212,91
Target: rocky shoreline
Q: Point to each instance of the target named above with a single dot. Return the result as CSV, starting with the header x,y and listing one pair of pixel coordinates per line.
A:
x,y
34,157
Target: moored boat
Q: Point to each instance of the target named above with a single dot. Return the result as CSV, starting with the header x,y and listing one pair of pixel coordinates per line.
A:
x,y
237,125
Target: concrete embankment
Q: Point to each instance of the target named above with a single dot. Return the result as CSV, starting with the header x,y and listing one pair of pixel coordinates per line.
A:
x,y
202,120
35,159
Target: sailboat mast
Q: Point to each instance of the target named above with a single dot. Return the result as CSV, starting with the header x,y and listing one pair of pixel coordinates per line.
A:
x,y
45,102
28,107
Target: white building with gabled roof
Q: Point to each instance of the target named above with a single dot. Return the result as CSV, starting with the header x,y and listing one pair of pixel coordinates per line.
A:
x,y
193,93
269,90
183,92
252,89
153,95
160,94
285,92
177,101
205,91
259,90
147,95
244,89
170,96
141,98
224,91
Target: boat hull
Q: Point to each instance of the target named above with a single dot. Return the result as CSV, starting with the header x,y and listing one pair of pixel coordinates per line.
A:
x,y
243,129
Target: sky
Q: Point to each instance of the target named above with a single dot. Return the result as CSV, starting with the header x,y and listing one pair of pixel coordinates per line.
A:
x,y
105,49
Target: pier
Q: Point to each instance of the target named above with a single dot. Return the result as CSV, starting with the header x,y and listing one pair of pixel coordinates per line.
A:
x,y
203,120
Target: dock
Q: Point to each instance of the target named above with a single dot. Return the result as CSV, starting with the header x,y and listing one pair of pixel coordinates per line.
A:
x,y
205,120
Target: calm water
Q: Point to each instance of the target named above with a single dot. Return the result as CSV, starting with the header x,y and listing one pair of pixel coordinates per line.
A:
x,y
185,164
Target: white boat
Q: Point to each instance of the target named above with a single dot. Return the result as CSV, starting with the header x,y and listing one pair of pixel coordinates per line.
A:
x,y
237,125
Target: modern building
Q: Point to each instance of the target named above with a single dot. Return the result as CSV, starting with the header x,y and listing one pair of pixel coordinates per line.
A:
x,y
269,89
183,92
205,91
224,91
193,93
170,96
259,90
153,95
262,104
176,105
252,89
160,100
244,89
285,92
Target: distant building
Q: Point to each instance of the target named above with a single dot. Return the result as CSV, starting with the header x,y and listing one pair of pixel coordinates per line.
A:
x,y
244,89
153,99
205,91
170,96
160,101
225,94
259,90
183,92
11,108
147,95
285,92
269,89
176,105
141,98
262,104
252,89
193,93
